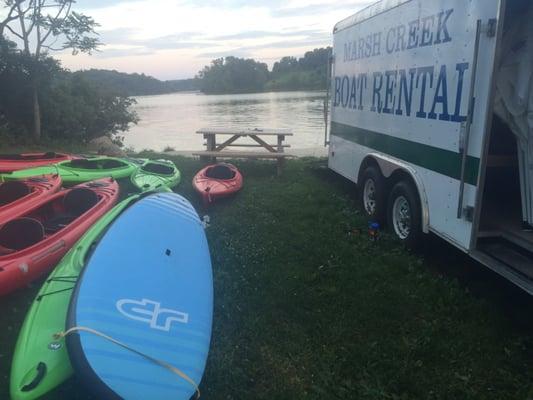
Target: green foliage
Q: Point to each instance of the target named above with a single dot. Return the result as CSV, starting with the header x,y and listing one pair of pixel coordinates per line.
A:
x,y
236,75
233,75
123,84
74,107
71,106
16,73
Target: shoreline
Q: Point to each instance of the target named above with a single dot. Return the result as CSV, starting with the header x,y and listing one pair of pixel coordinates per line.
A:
x,y
316,152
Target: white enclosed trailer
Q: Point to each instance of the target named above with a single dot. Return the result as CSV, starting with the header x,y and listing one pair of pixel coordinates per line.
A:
x,y
413,89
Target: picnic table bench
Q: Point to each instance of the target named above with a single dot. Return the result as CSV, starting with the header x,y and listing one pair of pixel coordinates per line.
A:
x,y
216,150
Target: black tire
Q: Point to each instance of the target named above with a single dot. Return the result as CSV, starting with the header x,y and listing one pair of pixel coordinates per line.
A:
x,y
407,191
377,212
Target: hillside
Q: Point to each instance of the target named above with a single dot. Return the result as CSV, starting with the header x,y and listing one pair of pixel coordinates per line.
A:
x,y
124,84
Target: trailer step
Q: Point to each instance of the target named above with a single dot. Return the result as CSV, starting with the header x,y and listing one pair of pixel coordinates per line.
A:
x,y
507,253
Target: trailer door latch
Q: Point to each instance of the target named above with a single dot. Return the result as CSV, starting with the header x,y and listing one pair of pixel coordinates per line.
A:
x,y
490,28
468,213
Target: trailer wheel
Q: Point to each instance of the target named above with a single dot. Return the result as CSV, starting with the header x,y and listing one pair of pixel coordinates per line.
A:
x,y
372,194
404,214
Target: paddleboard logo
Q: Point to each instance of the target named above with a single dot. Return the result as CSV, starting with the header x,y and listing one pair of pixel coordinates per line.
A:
x,y
54,346
152,313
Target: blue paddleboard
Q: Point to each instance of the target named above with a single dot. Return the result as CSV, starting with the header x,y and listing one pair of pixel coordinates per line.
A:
x,y
147,285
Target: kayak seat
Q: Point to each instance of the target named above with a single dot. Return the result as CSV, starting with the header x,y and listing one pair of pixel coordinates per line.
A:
x,y
21,233
110,164
75,203
158,169
220,172
12,191
49,155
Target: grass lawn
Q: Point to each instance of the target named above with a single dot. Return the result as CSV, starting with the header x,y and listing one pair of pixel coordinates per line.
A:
x,y
307,307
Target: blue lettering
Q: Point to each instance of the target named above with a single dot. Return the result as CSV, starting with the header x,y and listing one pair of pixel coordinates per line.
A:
x,y
347,51
345,94
376,47
337,98
353,94
414,27
406,91
441,97
443,28
368,46
390,40
424,72
461,68
389,88
400,39
427,34
376,97
362,84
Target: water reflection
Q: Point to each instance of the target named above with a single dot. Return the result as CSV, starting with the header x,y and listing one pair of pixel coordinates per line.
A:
x,y
172,120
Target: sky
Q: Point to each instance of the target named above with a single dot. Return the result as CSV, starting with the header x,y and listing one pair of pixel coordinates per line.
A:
x,y
174,39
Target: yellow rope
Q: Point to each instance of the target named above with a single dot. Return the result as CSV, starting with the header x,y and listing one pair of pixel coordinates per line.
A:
x,y
163,364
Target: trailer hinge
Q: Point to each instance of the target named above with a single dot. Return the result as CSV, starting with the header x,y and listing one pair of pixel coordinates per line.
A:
x,y
468,213
490,27
462,136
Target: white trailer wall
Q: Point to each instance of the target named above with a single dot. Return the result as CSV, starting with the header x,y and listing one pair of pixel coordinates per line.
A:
x,y
401,82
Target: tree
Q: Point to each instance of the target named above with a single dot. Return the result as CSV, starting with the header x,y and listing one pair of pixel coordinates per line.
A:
x,y
233,75
43,26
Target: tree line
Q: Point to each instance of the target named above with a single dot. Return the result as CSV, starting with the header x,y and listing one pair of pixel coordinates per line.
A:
x,y
238,75
123,84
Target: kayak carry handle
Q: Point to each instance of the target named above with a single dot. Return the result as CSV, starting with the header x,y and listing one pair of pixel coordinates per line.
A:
x,y
41,372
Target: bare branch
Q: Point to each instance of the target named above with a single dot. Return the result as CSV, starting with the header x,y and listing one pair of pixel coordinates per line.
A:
x,y
10,17
14,33
54,21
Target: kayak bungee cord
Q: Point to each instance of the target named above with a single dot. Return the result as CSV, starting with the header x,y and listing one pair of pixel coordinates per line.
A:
x,y
171,368
39,298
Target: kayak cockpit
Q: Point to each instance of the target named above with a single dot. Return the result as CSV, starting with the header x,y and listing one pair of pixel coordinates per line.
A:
x,y
84,163
220,171
13,191
45,221
158,168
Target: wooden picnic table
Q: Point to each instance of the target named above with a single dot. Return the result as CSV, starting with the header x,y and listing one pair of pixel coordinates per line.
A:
x,y
260,136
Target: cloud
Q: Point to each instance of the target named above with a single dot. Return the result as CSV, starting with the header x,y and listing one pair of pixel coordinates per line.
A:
x,y
264,34
92,4
320,8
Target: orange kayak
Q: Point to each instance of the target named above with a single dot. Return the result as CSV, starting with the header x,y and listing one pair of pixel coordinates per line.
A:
x,y
15,162
216,181
33,243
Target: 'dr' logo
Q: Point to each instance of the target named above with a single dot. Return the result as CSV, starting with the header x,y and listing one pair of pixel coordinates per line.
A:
x,y
151,312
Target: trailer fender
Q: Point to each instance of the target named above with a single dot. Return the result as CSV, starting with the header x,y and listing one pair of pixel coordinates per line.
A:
x,y
389,165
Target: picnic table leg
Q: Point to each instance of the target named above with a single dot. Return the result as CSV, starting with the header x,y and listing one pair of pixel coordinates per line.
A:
x,y
281,161
281,164
211,144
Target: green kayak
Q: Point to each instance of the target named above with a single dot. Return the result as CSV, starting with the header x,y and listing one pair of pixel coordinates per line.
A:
x,y
159,175
40,362
81,170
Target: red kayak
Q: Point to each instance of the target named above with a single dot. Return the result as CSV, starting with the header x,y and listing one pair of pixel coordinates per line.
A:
x,y
14,162
34,242
217,180
16,197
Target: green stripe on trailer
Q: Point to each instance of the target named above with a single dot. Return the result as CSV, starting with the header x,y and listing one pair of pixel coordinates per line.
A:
x,y
444,162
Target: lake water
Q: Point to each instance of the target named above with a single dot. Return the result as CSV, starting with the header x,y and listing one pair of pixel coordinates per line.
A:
x,y
172,119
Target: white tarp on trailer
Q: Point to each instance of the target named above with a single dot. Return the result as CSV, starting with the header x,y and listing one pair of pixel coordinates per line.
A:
x,y
514,99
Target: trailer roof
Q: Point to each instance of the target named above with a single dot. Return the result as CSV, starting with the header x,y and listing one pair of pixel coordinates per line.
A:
x,y
368,12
